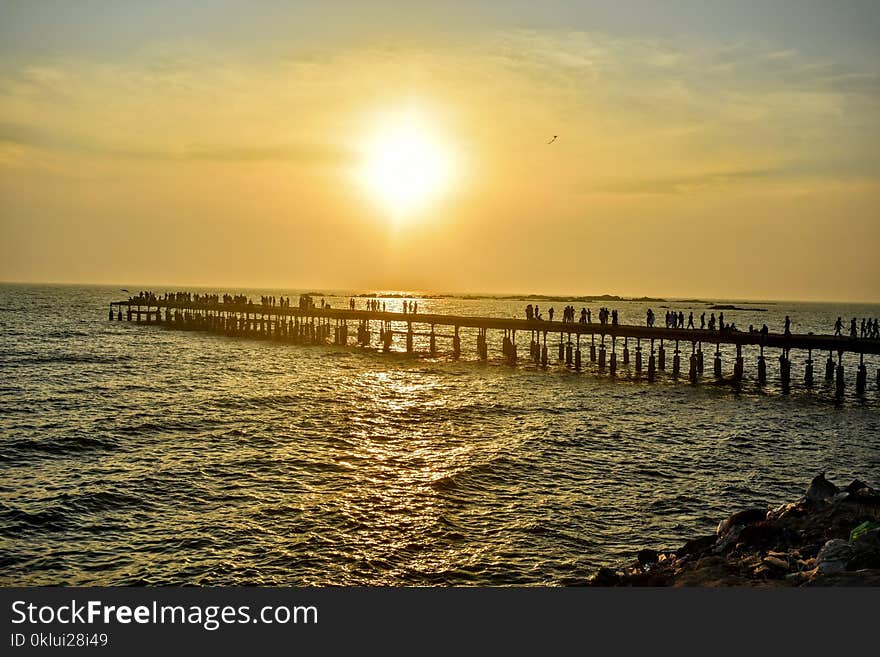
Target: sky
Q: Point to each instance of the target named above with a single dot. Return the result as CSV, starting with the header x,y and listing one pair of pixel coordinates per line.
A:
x,y
704,149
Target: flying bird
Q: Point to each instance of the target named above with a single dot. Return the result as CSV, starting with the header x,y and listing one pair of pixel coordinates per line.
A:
x,y
124,290
552,140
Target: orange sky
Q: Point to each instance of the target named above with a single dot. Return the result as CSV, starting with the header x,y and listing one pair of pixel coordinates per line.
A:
x,y
721,166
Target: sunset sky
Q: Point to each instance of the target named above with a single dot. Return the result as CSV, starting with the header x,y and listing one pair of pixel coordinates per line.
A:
x,y
710,149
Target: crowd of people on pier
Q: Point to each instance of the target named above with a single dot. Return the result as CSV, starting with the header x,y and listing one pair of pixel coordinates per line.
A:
x,y
868,330
374,305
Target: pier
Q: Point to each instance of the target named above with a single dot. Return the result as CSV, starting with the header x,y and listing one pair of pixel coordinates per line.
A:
x,y
570,344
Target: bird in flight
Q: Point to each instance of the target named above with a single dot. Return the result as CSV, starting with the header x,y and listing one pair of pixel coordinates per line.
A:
x,y
552,140
123,290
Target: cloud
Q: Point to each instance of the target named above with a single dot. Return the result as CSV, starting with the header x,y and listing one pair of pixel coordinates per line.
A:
x,y
680,184
310,153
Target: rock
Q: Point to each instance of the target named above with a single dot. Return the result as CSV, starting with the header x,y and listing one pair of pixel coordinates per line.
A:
x,y
834,556
647,557
821,489
740,518
761,534
606,577
696,546
830,537
775,562
855,486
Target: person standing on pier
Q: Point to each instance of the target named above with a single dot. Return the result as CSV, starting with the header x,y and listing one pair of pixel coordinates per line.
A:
x,y
702,321
838,327
852,328
650,318
550,313
787,329
691,320
583,315
529,315
712,322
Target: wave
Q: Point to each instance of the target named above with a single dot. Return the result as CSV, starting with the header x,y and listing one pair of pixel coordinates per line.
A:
x,y
71,359
11,450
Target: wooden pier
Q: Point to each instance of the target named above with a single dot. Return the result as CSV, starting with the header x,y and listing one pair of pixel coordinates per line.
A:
x,y
606,344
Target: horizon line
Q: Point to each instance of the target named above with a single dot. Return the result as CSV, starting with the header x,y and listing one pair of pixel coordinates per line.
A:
x,y
452,293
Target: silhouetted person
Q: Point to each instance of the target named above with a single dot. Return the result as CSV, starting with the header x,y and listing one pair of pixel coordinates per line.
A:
x,y
852,328
550,313
787,330
690,320
838,327
702,321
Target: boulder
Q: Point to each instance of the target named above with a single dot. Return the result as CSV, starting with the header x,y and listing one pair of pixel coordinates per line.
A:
x,y
746,517
821,489
834,556
647,557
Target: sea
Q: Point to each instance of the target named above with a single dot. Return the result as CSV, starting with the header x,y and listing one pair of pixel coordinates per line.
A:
x,y
133,454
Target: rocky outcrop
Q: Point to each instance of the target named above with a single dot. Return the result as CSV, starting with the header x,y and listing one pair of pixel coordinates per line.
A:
x,y
829,537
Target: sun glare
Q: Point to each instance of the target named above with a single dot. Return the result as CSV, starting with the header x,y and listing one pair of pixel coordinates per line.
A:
x,y
407,166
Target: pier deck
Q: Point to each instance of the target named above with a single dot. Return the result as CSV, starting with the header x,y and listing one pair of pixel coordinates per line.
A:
x,y
317,325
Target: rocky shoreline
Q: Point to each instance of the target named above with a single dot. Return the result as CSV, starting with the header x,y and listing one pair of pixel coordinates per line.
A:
x,y
829,537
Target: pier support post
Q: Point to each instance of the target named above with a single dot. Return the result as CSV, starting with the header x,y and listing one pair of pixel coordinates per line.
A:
x,y
808,370
612,368
544,351
626,351
829,367
456,344
569,352
661,357
762,368
839,382
700,358
676,362
861,376
561,347
111,313
119,315
592,348
602,356
692,370
739,365
387,336
409,338
652,364
638,357
716,364
785,370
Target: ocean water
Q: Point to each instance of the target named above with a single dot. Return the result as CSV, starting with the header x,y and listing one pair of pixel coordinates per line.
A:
x,y
134,454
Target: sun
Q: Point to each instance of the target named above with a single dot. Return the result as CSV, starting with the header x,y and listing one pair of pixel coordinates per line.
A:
x,y
407,164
